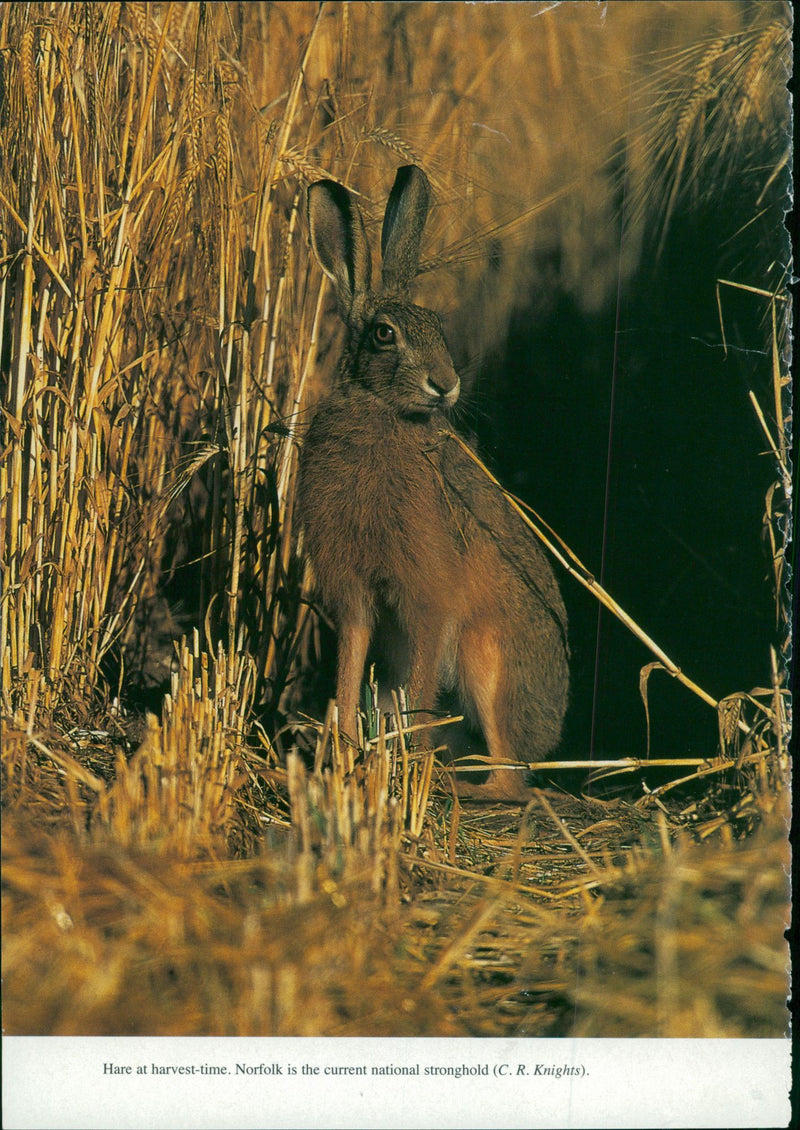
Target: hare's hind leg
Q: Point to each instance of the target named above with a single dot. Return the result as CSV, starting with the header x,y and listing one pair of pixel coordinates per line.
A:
x,y
431,640
483,680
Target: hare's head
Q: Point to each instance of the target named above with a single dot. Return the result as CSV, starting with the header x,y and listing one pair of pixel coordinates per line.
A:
x,y
395,349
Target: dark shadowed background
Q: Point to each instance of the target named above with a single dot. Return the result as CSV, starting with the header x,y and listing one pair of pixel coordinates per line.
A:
x,y
632,433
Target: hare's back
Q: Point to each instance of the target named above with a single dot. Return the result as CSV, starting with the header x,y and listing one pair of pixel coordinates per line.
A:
x,y
524,561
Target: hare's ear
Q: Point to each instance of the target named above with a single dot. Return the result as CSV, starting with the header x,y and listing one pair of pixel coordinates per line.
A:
x,y
406,212
340,242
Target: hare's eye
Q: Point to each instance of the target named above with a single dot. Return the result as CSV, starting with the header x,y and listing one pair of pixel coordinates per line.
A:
x,y
383,334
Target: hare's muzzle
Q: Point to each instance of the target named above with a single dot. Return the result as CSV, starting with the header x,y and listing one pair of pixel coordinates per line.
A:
x,y
443,386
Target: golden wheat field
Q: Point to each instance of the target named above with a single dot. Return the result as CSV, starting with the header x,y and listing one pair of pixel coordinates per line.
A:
x,y
191,847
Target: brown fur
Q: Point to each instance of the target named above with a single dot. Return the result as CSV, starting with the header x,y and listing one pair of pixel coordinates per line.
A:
x,y
416,554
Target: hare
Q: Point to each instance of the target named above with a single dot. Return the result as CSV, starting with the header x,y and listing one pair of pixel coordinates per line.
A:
x,y
416,554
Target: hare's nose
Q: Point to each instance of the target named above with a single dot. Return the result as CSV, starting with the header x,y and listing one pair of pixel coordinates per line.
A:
x,y
445,385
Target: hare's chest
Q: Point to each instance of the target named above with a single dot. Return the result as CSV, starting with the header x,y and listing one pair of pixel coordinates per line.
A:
x,y
373,505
